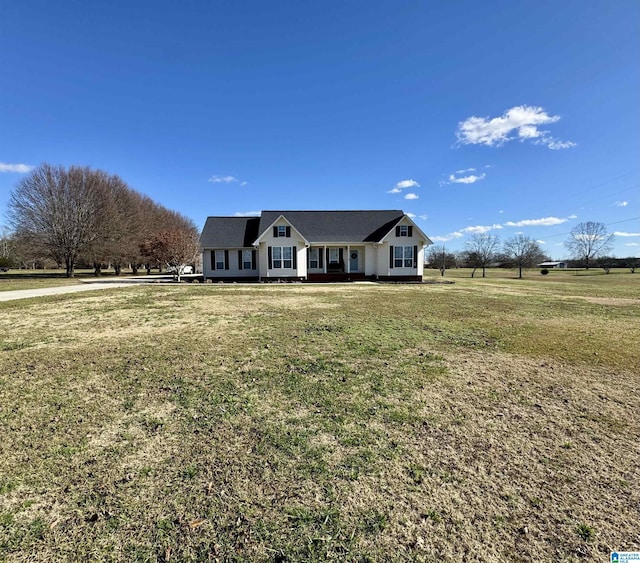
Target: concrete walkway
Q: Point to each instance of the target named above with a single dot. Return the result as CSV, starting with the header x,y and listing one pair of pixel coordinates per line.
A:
x,y
85,285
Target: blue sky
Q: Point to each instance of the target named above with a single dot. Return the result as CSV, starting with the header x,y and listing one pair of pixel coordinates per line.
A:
x,y
503,117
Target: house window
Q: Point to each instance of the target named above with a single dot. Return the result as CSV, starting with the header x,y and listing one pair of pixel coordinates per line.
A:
x,y
276,254
281,231
404,231
247,262
219,260
282,257
287,257
314,258
334,256
403,257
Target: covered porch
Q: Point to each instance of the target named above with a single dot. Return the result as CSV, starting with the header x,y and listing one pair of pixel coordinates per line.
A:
x,y
335,262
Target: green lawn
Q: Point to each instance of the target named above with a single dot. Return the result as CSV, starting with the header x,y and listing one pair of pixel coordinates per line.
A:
x,y
491,419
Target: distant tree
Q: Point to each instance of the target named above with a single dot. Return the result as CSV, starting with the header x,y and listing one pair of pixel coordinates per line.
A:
x,y
588,241
438,257
481,251
176,247
6,248
56,211
524,252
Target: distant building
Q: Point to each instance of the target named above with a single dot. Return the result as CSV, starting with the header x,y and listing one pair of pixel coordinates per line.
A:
x,y
552,265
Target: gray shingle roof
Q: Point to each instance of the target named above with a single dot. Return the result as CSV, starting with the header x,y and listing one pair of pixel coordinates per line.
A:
x,y
315,226
337,226
229,232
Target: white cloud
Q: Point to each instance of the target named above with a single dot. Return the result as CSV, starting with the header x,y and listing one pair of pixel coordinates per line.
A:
x,y
481,229
519,122
19,168
446,238
225,180
622,203
423,217
403,185
545,222
471,179
465,170
539,241
411,196
246,213
623,234
632,243
555,144
411,215
572,217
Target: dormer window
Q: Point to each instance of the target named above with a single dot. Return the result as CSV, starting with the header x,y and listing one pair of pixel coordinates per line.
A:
x,y
281,231
404,231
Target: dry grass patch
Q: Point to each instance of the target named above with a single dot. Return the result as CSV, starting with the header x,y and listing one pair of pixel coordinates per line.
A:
x,y
296,423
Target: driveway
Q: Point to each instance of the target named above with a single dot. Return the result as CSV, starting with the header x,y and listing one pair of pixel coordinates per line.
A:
x,y
86,285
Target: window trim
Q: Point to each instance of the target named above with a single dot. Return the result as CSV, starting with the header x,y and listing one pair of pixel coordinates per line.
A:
x,y
247,252
316,259
278,255
219,264
403,256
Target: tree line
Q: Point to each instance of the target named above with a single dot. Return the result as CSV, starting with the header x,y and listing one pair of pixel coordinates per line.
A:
x,y
483,250
588,244
83,215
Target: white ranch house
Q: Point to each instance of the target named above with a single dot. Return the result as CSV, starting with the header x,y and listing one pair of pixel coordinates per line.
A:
x,y
314,246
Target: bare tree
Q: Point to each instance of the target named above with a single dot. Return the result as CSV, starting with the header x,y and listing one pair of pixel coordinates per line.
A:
x,y
480,251
438,257
588,241
57,211
524,251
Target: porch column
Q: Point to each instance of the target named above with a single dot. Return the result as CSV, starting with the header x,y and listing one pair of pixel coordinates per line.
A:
x,y
348,259
324,258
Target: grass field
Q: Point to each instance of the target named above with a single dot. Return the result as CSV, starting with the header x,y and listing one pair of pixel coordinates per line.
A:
x,y
35,279
487,420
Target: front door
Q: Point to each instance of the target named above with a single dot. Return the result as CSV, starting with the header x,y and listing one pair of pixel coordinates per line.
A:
x,y
354,260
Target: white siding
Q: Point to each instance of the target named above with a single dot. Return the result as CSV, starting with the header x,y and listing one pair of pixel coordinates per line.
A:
x,y
383,254
234,270
268,240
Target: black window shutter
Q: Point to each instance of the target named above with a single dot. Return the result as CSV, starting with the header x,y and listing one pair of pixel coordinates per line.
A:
x,y
410,230
320,257
341,257
253,259
328,262
391,256
294,256
239,259
288,232
415,256
398,231
275,232
226,259
213,259
269,255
